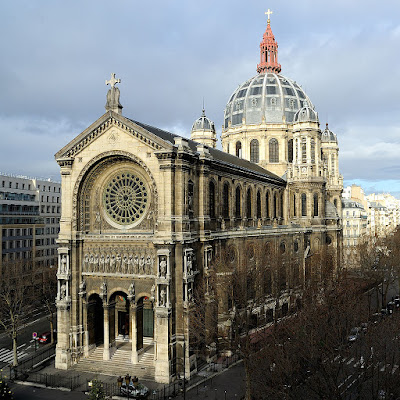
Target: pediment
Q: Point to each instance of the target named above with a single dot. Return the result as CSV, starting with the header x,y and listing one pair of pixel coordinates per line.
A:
x,y
103,124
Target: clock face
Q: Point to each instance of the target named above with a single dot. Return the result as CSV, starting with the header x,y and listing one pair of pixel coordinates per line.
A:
x,y
125,197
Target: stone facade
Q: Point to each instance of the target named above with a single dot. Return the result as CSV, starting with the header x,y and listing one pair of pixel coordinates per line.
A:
x,y
147,216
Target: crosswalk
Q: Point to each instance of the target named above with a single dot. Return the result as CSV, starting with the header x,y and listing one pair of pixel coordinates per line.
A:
x,y
7,355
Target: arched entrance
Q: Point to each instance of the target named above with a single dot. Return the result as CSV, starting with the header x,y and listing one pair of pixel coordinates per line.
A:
x,y
144,321
119,317
95,318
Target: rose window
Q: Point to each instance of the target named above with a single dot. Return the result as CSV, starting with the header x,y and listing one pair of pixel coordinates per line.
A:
x,y
125,198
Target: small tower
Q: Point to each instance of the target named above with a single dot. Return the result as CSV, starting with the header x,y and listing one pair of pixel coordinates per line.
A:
x,y
268,51
203,131
330,159
305,175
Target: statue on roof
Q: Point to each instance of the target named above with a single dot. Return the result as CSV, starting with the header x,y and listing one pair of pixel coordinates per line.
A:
x,y
113,94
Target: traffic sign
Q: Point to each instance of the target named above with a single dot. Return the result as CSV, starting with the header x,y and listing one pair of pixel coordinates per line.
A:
x,y
34,335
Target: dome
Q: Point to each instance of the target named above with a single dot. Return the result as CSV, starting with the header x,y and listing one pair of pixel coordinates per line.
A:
x,y
306,114
267,97
328,135
203,124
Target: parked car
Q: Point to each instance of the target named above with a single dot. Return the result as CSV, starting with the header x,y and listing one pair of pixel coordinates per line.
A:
x,y
390,307
354,334
45,337
397,301
137,391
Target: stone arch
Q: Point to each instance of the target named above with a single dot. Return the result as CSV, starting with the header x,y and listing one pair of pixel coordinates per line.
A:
x,y
98,164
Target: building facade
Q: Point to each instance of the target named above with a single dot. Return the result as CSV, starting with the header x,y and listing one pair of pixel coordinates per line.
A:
x,y
148,216
30,211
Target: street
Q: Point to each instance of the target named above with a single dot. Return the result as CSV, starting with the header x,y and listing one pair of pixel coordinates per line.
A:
x,y
26,345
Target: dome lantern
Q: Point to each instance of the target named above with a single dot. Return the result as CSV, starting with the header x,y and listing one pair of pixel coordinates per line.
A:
x,y
268,51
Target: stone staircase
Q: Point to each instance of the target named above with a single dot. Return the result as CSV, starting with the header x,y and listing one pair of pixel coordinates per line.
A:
x,y
120,363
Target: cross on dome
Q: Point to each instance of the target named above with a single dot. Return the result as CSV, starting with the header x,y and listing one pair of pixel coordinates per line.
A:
x,y
113,81
269,12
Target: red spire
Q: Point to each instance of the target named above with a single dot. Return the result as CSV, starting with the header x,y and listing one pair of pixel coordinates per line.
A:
x,y
268,52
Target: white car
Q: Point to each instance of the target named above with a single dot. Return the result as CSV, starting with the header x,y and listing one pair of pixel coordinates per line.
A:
x,y
138,391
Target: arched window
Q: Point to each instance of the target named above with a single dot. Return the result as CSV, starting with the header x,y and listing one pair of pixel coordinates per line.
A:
x,y
275,206
254,151
281,206
225,197
303,205
258,205
248,204
237,203
290,150
303,150
267,208
316,212
335,203
211,198
273,150
238,149
312,150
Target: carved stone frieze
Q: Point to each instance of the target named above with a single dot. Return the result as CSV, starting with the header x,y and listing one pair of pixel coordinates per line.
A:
x,y
119,260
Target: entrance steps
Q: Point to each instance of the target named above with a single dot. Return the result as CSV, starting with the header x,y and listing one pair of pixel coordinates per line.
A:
x,y
120,363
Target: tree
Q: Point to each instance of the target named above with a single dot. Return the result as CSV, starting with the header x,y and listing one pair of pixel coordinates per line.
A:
x,y
15,298
96,391
48,292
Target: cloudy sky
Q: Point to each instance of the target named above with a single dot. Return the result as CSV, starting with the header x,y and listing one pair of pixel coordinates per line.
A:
x,y
56,56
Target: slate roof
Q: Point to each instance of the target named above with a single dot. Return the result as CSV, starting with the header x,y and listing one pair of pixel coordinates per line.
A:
x,y
218,155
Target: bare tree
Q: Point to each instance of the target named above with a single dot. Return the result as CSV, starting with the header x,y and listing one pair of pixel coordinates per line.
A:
x,y
15,298
48,292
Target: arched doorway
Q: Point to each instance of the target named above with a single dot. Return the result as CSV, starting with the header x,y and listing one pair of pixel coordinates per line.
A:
x,y
119,317
95,319
144,321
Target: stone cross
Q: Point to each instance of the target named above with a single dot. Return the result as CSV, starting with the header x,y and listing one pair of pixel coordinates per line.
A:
x,y
269,12
113,81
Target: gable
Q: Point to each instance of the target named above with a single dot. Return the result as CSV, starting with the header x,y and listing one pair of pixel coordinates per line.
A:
x,y
103,126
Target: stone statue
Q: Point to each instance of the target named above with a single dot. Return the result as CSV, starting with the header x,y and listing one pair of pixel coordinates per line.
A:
x,y
149,269
153,292
130,264
101,263
103,291
86,262
189,263
63,267
141,265
118,261
112,263
131,292
162,298
107,264
124,264
63,291
163,266
136,264
113,94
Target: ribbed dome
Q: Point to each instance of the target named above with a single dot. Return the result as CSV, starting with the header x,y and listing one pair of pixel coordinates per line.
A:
x,y
268,97
328,135
306,114
203,124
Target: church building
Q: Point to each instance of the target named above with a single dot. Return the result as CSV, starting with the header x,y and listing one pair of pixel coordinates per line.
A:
x,y
148,216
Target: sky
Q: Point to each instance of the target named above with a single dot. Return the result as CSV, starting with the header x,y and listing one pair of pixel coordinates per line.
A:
x,y
169,55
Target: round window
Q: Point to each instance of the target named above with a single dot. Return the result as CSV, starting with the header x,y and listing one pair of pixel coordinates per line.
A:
x,y
125,198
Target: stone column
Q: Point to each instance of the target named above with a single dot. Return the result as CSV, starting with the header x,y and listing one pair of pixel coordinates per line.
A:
x,y
106,352
163,363
85,328
134,357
